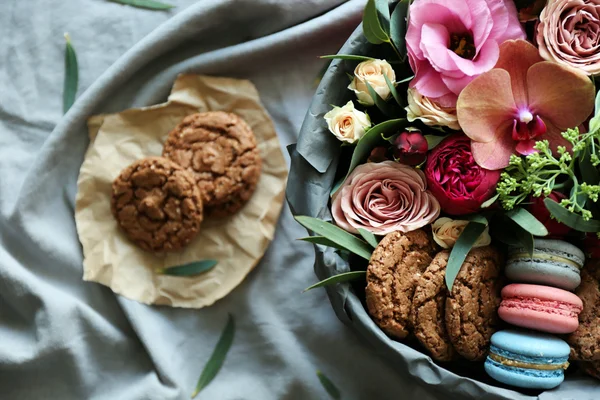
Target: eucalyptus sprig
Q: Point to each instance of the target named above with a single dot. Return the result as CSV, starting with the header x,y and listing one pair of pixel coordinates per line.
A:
x,y
542,172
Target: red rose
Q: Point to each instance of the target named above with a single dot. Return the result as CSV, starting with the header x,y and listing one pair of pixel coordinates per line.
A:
x,y
591,246
410,148
455,179
538,209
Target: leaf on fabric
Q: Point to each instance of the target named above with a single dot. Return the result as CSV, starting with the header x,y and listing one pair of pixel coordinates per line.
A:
x,y
71,75
527,221
215,362
572,220
146,4
191,269
463,246
340,278
329,387
340,237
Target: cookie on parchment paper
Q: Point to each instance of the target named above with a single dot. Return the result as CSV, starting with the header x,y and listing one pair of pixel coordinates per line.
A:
x,y
472,305
157,204
219,149
392,275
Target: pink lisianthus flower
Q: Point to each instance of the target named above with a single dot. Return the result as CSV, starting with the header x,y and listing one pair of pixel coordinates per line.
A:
x,y
522,100
450,42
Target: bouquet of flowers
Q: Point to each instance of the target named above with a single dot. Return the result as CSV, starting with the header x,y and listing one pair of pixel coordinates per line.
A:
x,y
480,128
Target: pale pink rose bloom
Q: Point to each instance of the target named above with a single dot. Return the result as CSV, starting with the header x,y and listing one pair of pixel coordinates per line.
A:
x,y
384,197
450,42
569,33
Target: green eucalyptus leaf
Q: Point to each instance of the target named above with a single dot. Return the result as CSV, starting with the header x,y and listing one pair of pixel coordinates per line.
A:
x,y
337,235
433,141
393,90
372,28
340,278
477,218
369,237
385,107
527,221
191,269
589,173
570,219
461,248
215,362
71,81
322,240
410,78
146,4
489,202
383,12
329,387
398,25
350,57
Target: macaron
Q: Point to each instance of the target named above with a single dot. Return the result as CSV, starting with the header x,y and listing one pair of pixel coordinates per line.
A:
x,y
553,263
527,359
542,308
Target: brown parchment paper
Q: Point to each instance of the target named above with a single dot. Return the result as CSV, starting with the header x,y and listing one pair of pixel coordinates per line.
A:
x,y
237,242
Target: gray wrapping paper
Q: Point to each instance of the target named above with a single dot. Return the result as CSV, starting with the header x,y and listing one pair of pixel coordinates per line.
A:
x,y
314,161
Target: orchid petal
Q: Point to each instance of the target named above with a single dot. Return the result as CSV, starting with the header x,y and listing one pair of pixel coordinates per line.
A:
x,y
516,57
525,147
562,95
485,104
554,137
495,154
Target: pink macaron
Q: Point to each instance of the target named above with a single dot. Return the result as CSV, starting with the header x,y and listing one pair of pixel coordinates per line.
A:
x,y
542,308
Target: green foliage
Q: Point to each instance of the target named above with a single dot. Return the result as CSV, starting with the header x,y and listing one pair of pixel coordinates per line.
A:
x,y
542,172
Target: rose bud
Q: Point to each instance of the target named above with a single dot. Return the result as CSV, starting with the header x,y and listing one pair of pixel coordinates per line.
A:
x,y
539,210
410,148
378,154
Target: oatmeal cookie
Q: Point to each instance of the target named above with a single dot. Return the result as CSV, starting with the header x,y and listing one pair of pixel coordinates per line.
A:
x,y
219,149
471,307
585,341
429,308
394,269
157,204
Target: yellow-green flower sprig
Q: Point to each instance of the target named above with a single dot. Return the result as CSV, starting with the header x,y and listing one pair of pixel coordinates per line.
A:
x,y
537,174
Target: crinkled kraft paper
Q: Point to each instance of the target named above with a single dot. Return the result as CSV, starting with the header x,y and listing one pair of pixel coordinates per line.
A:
x,y
237,242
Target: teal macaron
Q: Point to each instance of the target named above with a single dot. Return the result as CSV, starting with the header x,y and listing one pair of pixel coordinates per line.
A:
x,y
526,359
553,263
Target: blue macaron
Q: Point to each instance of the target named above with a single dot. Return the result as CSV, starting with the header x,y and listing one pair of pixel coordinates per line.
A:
x,y
526,359
554,263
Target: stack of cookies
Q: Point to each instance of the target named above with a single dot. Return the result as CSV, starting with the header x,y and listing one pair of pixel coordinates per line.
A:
x,y
209,168
534,357
406,295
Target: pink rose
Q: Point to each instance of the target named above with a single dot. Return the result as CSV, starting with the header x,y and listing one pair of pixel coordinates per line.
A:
x,y
450,42
460,185
384,197
569,34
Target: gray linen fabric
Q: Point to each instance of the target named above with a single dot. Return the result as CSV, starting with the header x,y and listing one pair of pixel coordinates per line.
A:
x,y
62,338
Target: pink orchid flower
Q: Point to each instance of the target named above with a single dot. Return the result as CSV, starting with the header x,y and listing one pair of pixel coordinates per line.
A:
x,y
522,100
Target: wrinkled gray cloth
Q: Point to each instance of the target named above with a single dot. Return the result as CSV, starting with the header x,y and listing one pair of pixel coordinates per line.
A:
x,y
62,338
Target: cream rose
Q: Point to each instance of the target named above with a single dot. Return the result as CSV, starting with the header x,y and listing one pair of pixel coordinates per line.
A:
x,y
347,123
372,71
446,232
430,112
